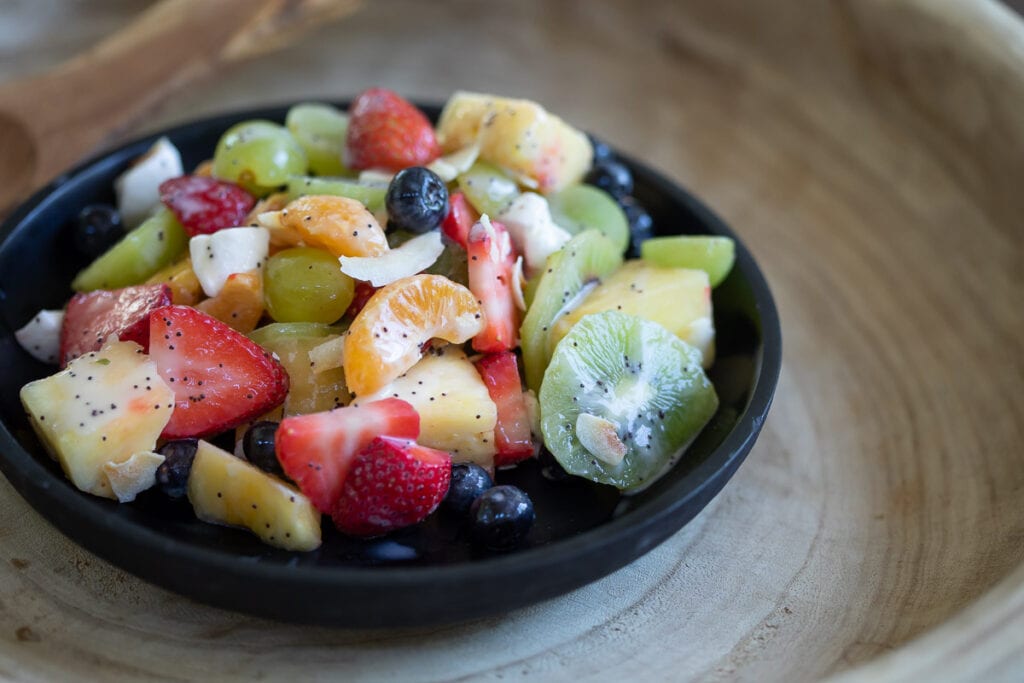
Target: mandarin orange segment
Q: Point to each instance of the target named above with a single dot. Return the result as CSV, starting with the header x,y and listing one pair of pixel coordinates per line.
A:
x,y
239,304
340,225
388,335
179,276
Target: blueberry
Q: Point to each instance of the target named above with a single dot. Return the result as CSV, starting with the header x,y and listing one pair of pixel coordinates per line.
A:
x,y
611,176
468,482
417,200
172,475
641,226
602,151
258,444
97,228
501,517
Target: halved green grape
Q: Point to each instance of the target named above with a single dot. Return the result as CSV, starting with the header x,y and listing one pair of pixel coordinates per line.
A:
x,y
320,129
621,400
372,196
569,275
582,207
487,188
712,254
258,155
304,284
155,244
311,391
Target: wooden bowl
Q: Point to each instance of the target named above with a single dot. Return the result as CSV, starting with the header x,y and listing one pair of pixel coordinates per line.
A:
x,y
871,154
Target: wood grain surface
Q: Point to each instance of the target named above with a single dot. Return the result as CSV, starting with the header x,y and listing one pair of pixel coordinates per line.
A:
x,y
871,155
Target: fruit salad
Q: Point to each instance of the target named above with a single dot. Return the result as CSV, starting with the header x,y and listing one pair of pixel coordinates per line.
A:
x,y
363,316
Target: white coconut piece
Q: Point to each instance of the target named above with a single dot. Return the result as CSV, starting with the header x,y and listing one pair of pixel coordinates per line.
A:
x,y
138,188
534,233
41,336
133,476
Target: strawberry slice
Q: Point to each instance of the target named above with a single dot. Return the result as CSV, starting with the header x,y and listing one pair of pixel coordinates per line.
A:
x,y
386,132
392,483
91,317
316,450
491,261
512,436
362,294
205,205
220,377
460,219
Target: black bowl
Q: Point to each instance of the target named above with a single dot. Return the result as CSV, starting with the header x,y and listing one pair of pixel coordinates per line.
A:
x,y
427,574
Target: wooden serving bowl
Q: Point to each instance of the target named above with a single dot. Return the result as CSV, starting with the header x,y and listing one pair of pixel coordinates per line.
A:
x,y
871,155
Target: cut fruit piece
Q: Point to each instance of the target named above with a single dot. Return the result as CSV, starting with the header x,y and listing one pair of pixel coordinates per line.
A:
x,y
456,411
388,335
220,378
133,476
490,265
387,132
312,390
487,188
393,483
227,490
636,375
316,450
259,156
712,254
234,250
371,195
678,299
539,147
155,244
571,273
341,225
40,336
534,232
451,165
103,408
138,188
92,317
306,285
460,220
413,256
205,205
512,433
179,276
239,304
320,129
584,207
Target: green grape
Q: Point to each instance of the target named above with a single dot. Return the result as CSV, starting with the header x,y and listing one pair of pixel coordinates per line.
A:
x,y
487,188
372,196
258,155
306,285
320,129
579,207
712,254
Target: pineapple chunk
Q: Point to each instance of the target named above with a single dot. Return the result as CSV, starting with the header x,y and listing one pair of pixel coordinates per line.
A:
x,y
678,299
239,303
105,407
179,276
227,490
541,149
456,411
133,476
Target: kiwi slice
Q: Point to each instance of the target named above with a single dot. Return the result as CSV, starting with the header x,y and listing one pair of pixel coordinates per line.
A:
x,y
154,245
585,207
621,400
569,275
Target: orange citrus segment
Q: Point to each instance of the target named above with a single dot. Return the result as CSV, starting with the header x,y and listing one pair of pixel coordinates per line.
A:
x,y
388,335
340,225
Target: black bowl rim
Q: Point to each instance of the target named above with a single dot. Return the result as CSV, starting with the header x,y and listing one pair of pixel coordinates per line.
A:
x,y
634,535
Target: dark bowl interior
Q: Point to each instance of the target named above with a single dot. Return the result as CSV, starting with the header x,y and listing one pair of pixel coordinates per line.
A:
x,y
426,574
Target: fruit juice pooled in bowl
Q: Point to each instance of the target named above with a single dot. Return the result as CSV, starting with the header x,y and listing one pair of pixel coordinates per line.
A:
x,y
363,316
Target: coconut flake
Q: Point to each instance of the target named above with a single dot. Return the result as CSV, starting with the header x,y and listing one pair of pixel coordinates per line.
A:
x,y
133,476
601,438
518,284
534,233
451,165
138,188
410,258
41,336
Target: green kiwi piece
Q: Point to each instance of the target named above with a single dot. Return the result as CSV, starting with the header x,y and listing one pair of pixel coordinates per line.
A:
x,y
568,276
622,399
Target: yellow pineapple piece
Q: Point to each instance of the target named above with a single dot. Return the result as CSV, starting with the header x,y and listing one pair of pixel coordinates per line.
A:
x,y
224,489
179,276
239,303
456,411
102,409
540,148
678,299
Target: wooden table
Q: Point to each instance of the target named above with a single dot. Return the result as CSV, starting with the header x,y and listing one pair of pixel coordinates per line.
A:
x,y
871,154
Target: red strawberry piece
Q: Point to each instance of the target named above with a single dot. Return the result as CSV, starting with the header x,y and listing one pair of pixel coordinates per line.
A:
x,y
316,450
387,132
392,483
491,261
91,317
204,205
512,436
220,377
460,219
363,292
